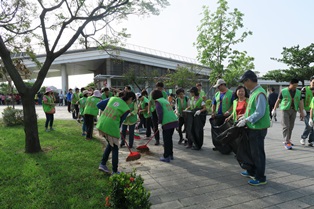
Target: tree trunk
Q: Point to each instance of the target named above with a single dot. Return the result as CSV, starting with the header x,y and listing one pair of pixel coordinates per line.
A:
x,y
32,144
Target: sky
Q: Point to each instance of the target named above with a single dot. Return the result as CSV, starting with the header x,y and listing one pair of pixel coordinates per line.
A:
x,y
275,24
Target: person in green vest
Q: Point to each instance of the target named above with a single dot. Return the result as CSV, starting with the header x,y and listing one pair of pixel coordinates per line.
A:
x,y
290,102
306,96
257,121
74,99
181,104
223,99
144,112
152,109
90,112
201,91
114,111
168,121
130,122
82,103
310,123
196,132
49,108
81,92
105,93
240,102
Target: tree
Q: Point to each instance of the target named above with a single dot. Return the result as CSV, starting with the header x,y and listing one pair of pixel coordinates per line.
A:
x,y
300,64
183,77
25,23
216,39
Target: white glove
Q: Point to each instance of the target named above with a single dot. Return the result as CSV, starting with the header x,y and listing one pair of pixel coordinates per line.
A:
x,y
241,118
197,113
311,122
159,127
241,123
273,113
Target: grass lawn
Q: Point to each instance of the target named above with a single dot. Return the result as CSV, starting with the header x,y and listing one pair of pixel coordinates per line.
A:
x,y
64,175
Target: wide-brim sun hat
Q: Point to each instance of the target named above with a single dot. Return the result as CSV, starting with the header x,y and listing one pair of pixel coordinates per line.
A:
x,y
48,89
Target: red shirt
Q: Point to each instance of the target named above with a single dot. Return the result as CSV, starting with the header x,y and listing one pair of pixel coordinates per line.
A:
x,y
241,107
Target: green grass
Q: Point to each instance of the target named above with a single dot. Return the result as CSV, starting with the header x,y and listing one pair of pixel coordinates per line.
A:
x,y
64,175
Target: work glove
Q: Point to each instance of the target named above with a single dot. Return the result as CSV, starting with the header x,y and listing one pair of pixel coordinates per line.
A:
x,y
159,127
273,113
197,113
311,122
241,118
241,123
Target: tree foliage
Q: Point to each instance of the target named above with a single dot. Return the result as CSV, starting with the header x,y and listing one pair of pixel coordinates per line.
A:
x,y
55,26
299,61
218,34
183,77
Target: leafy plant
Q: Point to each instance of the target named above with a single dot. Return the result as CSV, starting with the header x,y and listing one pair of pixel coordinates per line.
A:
x,y
127,192
12,117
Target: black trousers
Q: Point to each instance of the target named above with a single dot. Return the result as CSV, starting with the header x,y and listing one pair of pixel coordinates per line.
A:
x,y
89,121
168,144
181,123
155,125
148,126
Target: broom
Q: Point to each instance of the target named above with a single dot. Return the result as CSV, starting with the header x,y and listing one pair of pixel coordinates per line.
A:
x,y
137,136
133,155
145,148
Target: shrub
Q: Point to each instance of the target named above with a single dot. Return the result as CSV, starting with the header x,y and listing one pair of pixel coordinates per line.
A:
x,y
12,117
127,192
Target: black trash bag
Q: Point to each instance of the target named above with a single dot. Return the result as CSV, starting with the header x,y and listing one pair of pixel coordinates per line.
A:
x,y
244,156
195,127
231,136
218,126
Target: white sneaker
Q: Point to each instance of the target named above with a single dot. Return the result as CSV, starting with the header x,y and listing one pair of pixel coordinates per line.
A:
x,y
310,144
302,141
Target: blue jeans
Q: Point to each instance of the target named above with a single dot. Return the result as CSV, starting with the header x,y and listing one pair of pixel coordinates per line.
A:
x,y
115,156
308,130
131,134
256,141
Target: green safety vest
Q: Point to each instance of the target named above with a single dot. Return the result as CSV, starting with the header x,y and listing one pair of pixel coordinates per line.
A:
x,y
152,102
234,110
109,121
202,93
183,106
82,103
104,96
308,98
143,106
286,101
48,107
262,123
168,115
132,119
75,98
197,104
91,106
226,101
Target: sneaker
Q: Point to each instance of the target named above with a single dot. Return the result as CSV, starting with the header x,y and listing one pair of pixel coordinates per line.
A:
x,y
255,182
103,168
113,173
157,143
165,159
246,174
288,146
47,130
180,141
52,129
310,144
83,134
171,157
302,141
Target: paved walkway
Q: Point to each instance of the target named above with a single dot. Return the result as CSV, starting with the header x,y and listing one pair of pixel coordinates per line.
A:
x,y
208,179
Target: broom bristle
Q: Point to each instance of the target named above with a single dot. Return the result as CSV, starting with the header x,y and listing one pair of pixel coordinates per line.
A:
x,y
137,137
143,148
133,156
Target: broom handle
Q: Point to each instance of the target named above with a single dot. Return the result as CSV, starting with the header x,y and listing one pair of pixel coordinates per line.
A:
x,y
151,137
127,145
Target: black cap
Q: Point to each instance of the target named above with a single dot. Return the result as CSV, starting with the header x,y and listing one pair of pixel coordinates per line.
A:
x,y
248,75
194,89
